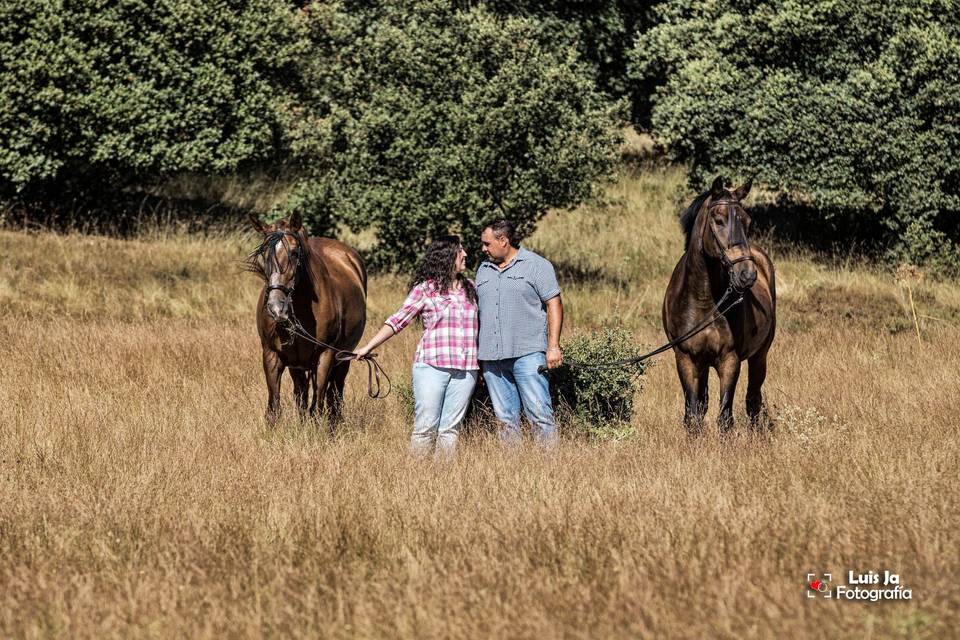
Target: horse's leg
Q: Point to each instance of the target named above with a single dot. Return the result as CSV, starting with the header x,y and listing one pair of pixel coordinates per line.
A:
x,y
324,369
693,379
272,370
335,387
312,378
756,374
300,391
728,370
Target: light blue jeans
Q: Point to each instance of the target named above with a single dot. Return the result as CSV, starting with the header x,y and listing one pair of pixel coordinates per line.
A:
x,y
441,397
514,383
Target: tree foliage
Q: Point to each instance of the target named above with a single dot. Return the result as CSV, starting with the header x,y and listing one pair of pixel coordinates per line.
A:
x,y
850,107
602,31
439,119
97,95
410,118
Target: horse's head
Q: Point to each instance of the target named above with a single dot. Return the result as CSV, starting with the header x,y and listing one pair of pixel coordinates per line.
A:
x,y
280,260
724,233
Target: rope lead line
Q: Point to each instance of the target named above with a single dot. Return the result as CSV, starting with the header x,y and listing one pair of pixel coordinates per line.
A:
x,y
374,369
714,316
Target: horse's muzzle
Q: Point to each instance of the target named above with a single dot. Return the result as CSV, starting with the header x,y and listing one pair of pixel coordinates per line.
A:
x,y
743,280
279,311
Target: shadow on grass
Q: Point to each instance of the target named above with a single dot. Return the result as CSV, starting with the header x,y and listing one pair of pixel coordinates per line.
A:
x,y
127,215
570,272
832,237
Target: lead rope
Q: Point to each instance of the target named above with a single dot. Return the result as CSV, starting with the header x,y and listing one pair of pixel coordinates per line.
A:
x,y
374,370
715,315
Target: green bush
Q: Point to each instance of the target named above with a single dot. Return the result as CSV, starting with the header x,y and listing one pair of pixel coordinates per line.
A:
x,y
439,119
408,118
849,107
601,30
97,96
597,401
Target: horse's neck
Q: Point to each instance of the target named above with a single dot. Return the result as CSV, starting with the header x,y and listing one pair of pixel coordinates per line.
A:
x,y
314,279
703,278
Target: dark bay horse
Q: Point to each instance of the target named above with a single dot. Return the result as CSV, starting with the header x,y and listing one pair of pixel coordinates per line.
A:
x,y
317,286
719,258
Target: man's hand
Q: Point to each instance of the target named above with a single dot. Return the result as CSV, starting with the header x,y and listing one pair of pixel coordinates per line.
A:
x,y
554,357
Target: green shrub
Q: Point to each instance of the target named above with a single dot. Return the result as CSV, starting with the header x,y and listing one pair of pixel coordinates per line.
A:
x,y
850,107
597,401
439,119
97,96
410,119
601,30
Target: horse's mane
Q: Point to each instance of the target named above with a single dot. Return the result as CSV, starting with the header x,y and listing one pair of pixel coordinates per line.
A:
x,y
689,217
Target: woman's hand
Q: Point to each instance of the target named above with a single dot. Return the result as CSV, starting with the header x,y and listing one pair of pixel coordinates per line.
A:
x,y
385,333
362,352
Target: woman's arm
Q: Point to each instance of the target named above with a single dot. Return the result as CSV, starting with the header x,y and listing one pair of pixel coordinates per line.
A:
x,y
386,332
412,307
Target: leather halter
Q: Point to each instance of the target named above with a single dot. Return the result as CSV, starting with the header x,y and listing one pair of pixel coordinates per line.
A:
x,y
288,291
724,259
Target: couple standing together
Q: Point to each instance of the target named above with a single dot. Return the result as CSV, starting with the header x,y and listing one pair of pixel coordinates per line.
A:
x,y
506,324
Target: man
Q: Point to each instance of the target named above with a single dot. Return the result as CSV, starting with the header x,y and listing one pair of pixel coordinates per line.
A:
x,y
520,320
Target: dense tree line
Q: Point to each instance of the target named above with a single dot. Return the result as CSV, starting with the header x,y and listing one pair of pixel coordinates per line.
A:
x,y
851,108
414,117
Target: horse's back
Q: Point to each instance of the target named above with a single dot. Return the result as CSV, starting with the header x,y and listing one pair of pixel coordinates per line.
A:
x,y
340,308
673,301
343,263
764,290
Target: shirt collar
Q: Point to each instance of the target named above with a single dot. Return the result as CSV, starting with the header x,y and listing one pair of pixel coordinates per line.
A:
x,y
522,254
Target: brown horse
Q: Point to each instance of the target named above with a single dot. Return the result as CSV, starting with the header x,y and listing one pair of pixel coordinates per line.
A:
x,y
316,286
719,264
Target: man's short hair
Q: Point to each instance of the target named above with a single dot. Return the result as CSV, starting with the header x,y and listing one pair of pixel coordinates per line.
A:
x,y
505,228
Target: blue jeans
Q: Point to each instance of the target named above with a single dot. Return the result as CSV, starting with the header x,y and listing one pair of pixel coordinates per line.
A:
x,y
441,397
513,383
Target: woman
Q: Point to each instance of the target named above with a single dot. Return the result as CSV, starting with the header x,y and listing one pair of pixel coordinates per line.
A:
x,y
445,367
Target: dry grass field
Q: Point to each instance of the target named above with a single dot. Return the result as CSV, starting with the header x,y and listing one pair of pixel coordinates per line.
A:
x,y
143,496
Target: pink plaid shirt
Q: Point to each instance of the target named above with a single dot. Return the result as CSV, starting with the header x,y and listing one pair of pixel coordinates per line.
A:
x,y
450,324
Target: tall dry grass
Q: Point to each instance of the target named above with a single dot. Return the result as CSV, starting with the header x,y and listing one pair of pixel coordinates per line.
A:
x,y
144,497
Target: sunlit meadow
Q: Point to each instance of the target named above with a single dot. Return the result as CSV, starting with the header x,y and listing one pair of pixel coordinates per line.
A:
x,y
143,495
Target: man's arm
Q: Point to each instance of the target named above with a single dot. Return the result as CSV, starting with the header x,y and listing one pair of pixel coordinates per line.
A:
x,y
554,326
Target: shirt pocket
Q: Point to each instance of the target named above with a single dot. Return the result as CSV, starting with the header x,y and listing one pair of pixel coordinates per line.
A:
x,y
522,286
442,306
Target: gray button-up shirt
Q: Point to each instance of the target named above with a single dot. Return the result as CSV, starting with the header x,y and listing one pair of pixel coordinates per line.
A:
x,y
513,306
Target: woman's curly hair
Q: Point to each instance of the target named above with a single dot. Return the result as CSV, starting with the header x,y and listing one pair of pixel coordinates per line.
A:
x,y
437,265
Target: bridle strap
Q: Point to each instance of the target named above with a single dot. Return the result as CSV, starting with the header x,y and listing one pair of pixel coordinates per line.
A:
x,y
727,262
279,287
288,291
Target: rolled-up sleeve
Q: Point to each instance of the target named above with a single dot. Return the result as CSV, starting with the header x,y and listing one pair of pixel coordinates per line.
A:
x,y
412,307
545,282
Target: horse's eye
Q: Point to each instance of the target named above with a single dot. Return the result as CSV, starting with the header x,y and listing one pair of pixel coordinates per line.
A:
x,y
720,221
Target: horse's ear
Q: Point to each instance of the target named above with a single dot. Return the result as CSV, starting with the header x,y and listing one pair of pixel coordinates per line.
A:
x,y
716,189
295,221
741,192
258,224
